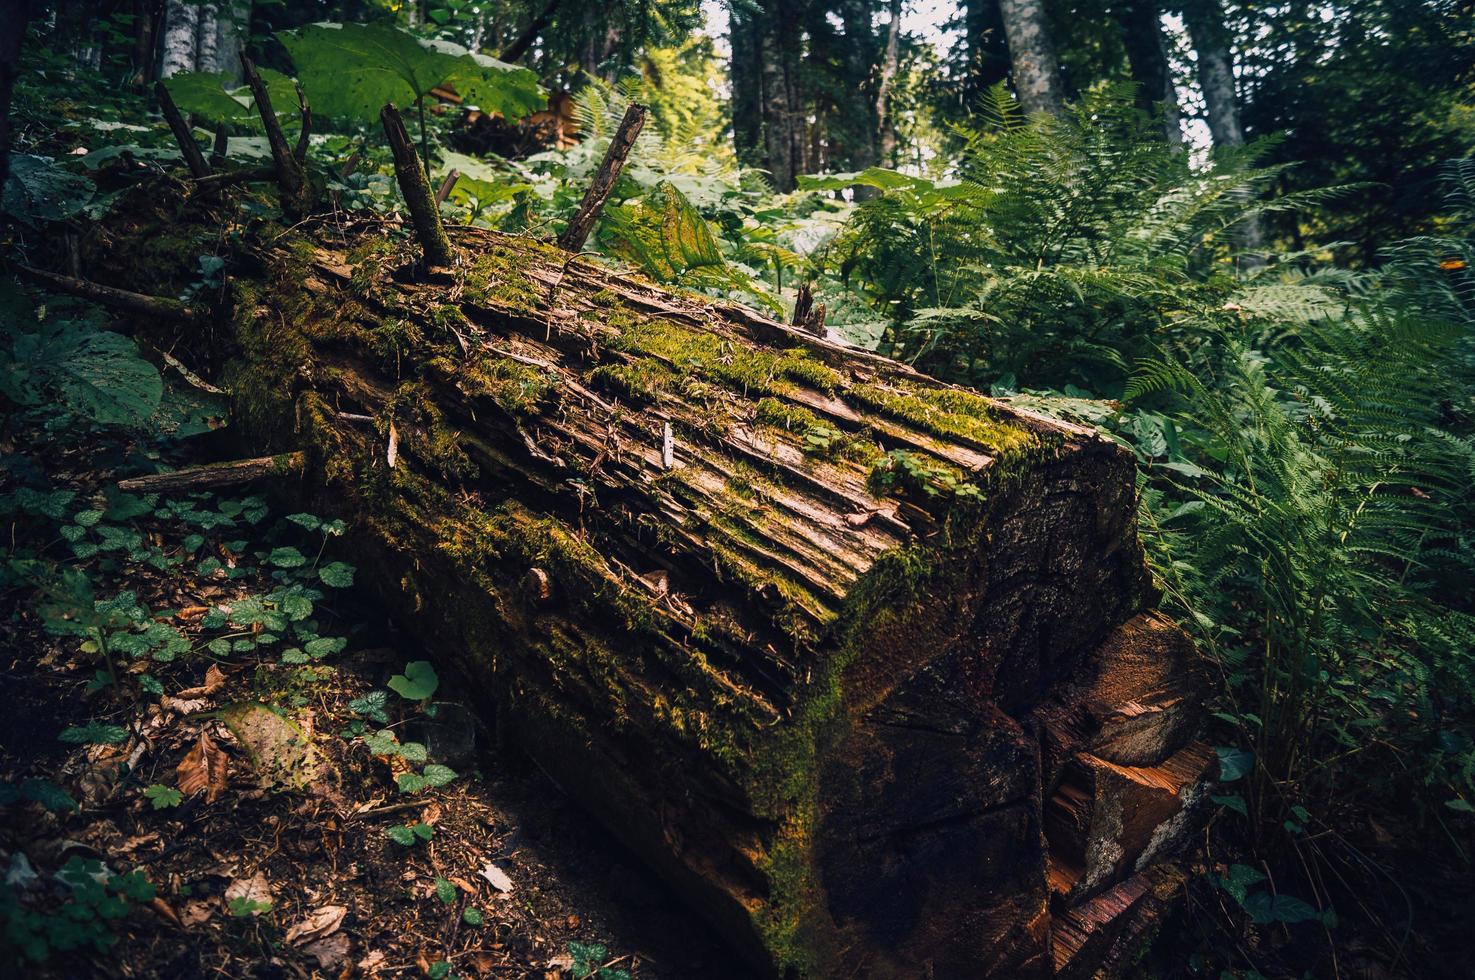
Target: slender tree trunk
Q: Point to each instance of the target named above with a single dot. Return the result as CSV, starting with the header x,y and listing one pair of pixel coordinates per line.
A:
x,y
181,23
146,15
883,90
988,51
1206,28
519,47
233,26
778,126
855,128
1142,35
747,81
10,48
1037,78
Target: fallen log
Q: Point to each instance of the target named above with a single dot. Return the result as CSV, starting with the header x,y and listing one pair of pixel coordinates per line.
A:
x,y
819,637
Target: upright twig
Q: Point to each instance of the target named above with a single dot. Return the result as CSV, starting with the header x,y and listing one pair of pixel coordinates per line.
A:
x,y
182,134
446,186
414,186
302,137
219,150
579,226
296,193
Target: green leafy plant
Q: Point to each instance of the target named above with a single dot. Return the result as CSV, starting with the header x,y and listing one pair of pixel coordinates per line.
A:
x,y
96,374
163,797
96,899
411,834
417,683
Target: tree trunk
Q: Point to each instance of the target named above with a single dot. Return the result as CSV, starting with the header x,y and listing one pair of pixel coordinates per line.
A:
x,y
207,37
1206,28
10,53
1142,35
181,26
826,692
988,52
232,27
146,17
887,140
779,122
746,77
1037,79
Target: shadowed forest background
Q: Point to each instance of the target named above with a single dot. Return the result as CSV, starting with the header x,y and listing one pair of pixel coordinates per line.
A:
x,y
1234,236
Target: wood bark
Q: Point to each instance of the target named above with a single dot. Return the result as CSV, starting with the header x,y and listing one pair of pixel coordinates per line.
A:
x,y
1036,68
828,692
590,208
177,45
886,142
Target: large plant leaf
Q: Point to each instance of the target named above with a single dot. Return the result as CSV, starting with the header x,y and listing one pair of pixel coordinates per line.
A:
x,y
351,70
209,97
37,190
96,373
663,234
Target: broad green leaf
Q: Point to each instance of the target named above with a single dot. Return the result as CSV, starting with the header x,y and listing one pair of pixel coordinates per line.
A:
x,y
438,775
664,235
352,70
418,682
1234,762
338,574
203,94
37,190
401,835
163,797
286,558
96,373
445,891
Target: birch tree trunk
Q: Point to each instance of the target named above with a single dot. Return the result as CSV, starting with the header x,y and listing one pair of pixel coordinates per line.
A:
x,y
1206,28
207,37
181,27
1037,80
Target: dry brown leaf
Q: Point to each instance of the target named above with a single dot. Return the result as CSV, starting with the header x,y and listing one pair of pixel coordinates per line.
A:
x,y
464,885
323,922
192,612
214,681
197,912
371,963
328,951
204,768
496,877
253,889
281,752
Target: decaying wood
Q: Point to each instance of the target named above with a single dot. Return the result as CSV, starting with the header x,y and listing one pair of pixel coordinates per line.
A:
x,y
819,637
807,316
233,473
582,223
414,186
164,308
182,134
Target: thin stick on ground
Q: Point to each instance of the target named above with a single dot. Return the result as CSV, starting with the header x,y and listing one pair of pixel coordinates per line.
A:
x,y
582,223
160,307
228,474
182,135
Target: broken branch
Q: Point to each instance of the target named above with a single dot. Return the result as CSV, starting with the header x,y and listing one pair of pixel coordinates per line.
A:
x,y
446,186
216,474
579,226
296,193
414,186
182,134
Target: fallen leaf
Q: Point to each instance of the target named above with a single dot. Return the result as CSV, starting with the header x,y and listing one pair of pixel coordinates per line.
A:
x,y
214,681
162,907
497,878
464,885
371,963
328,951
324,922
195,913
192,612
281,752
183,706
563,961
204,768
253,889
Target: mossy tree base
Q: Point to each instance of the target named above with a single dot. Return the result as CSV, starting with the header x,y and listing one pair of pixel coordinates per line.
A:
x,y
783,614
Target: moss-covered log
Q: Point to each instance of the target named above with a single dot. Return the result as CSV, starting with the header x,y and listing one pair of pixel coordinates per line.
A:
x,y
791,618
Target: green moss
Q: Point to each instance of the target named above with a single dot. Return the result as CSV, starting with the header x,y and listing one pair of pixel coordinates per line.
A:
x,y
738,366
639,381
499,276
517,388
781,415
392,340
950,414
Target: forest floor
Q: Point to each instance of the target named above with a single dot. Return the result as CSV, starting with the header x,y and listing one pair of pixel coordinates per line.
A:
x,y
248,799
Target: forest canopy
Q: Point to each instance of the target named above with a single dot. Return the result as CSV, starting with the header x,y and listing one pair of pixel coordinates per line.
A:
x,y
1233,237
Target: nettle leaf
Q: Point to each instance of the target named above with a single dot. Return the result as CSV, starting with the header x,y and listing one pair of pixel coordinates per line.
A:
x,y
371,706
1234,762
351,70
401,835
94,733
438,775
445,891
339,575
310,521
37,190
286,557
97,374
418,682
410,782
